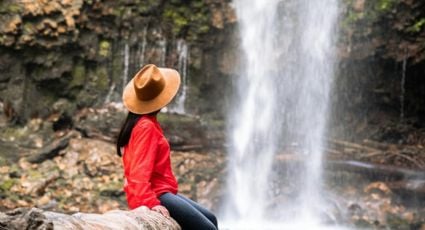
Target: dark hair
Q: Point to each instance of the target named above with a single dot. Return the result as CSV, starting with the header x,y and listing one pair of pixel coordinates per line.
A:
x,y
126,129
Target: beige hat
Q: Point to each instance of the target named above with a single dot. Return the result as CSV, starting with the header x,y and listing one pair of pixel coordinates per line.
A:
x,y
151,89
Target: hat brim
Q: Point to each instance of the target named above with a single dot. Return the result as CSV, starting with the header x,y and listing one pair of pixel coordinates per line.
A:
x,y
171,86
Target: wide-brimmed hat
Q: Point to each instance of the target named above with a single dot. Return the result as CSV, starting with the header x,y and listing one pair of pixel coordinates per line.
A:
x,y
151,89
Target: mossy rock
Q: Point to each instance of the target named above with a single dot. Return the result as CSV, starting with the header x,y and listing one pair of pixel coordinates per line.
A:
x,y
188,20
105,48
78,75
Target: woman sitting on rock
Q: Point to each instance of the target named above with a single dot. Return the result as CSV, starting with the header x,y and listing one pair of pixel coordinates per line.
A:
x,y
149,180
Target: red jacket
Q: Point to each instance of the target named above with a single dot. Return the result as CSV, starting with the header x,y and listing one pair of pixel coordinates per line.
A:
x,y
147,165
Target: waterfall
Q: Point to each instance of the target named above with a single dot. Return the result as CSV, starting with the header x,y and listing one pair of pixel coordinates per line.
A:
x,y
143,48
183,55
163,52
282,98
126,64
110,92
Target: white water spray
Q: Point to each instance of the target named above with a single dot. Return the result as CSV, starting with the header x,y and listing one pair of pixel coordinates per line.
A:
x,y
183,56
283,96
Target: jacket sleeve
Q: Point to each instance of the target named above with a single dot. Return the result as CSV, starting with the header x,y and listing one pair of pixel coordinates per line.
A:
x,y
145,141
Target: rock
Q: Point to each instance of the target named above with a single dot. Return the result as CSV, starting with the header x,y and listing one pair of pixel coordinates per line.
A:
x,y
51,150
10,24
24,218
137,219
89,40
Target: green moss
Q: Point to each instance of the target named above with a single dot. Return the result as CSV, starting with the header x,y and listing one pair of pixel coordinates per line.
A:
x,y
188,20
104,48
78,76
372,12
417,27
102,80
7,184
178,20
385,5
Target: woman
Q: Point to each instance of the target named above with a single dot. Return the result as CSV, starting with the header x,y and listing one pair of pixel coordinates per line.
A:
x,y
149,180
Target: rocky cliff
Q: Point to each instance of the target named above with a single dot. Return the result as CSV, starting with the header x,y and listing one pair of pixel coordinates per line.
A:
x,y
56,56
379,90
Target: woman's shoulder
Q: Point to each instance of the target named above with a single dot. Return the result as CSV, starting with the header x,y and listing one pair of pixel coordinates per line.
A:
x,y
145,122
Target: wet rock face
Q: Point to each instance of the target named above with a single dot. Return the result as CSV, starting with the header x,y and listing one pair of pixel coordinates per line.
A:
x,y
389,29
380,83
83,52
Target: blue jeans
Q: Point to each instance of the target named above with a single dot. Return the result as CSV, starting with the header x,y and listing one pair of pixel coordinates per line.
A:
x,y
188,213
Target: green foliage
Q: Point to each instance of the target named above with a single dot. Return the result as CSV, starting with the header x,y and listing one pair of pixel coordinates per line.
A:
x,y
417,26
177,17
104,48
385,5
187,19
372,12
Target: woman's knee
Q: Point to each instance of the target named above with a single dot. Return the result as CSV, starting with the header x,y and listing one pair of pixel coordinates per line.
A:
x,y
213,219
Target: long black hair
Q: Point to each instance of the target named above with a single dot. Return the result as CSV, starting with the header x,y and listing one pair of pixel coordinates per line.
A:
x,y
126,129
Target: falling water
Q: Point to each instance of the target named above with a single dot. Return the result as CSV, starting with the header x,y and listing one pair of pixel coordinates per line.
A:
x,y
110,92
126,64
183,55
163,51
143,48
283,94
402,87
